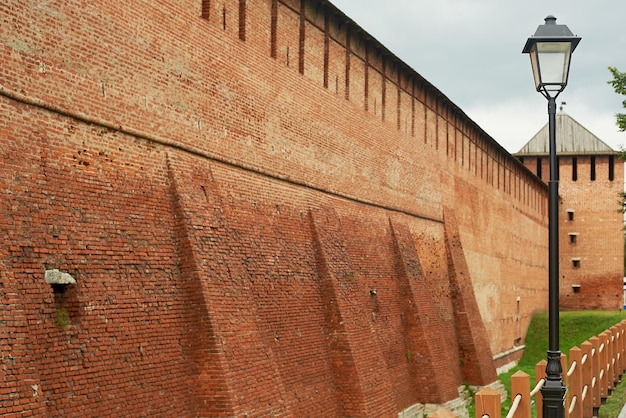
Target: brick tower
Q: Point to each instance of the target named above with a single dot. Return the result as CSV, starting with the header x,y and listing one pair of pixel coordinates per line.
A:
x,y
590,224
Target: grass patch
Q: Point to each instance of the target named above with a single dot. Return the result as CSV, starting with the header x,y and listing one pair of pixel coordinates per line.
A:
x,y
574,328
615,403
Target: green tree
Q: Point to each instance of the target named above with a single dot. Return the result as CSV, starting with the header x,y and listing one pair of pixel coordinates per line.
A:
x,y
619,85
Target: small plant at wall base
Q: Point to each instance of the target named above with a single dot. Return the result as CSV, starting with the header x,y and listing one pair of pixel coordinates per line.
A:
x,y
63,318
468,393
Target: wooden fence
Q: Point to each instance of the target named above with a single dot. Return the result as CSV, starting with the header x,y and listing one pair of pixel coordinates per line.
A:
x,y
594,370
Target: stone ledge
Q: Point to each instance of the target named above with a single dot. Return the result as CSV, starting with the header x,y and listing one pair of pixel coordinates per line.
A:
x,y
55,276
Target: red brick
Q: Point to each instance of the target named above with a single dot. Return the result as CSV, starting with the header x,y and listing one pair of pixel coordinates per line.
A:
x,y
169,156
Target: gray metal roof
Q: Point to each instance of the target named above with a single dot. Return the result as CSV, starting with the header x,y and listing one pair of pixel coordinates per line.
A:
x,y
571,139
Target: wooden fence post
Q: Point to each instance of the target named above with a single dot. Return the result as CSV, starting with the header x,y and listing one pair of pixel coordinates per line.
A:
x,y
595,373
488,403
520,384
565,379
618,348
540,373
575,386
586,348
564,367
615,364
621,347
614,354
610,364
602,369
622,326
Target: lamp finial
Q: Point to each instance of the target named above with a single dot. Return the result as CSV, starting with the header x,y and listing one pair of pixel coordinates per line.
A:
x,y
550,20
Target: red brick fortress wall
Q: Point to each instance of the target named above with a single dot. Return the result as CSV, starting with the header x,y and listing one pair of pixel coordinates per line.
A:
x,y
250,196
503,228
225,294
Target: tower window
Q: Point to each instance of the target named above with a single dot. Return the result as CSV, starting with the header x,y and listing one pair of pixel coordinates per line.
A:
x,y
574,169
570,215
576,263
539,167
593,168
611,167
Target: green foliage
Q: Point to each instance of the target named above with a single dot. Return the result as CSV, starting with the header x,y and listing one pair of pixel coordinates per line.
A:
x,y
622,202
574,328
614,403
63,318
619,85
468,393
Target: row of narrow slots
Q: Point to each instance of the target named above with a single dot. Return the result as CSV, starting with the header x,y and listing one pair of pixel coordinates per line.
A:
x,y
592,168
573,236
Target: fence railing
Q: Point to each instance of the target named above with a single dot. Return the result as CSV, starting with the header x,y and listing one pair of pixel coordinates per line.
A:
x,y
594,370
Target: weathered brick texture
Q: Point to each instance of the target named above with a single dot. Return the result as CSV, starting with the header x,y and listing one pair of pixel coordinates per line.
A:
x,y
470,330
428,322
250,196
83,207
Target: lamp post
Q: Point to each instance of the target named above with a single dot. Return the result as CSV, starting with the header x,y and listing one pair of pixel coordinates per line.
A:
x,y
550,50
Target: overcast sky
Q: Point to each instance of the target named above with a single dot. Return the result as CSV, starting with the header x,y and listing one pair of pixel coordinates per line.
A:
x,y
471,51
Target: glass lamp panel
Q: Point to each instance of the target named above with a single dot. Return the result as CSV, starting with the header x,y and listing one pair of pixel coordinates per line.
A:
x,y
553,58
535,65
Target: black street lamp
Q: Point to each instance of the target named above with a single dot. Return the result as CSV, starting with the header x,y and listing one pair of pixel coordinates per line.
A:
x,y
550,50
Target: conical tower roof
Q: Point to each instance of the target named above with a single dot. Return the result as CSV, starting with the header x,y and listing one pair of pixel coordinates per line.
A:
x,y
571,139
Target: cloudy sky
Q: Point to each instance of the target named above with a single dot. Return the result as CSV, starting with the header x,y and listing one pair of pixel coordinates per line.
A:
x,y
471,51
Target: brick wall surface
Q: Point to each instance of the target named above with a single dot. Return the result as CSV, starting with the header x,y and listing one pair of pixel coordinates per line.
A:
x,y
98,212
250,196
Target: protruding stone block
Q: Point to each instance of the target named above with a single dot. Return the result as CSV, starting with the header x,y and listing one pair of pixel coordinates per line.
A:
x,y
55,276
